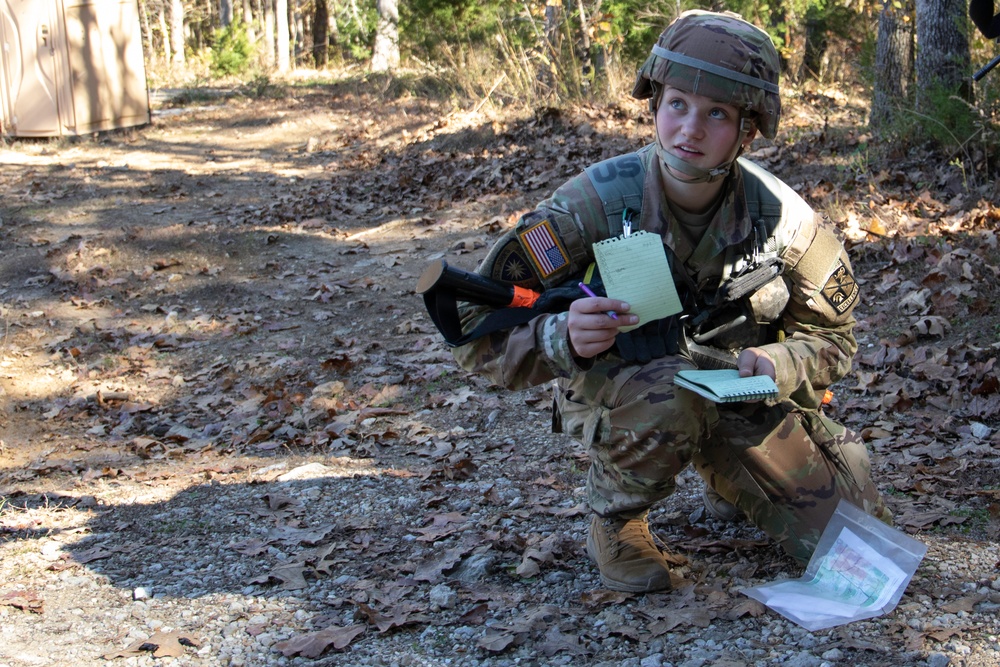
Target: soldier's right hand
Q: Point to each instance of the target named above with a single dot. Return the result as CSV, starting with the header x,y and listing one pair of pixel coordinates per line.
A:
x,y
591,329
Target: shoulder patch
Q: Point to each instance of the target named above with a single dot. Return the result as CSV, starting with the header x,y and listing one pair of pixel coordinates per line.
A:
x,y
544,248
513,266
841,290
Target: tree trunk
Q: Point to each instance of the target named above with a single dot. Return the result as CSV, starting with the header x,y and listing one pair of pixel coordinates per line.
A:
x,y
297,29
943,59
269,32
586,64
548,73
281,31
147,32
385,53
893,64
164,34
226,13
248,21
177,31
321,35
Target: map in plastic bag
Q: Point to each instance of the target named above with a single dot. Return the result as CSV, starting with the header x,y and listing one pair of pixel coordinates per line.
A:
x,y
860,569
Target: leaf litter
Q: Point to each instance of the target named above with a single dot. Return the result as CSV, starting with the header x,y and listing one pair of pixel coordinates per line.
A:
x,y
234,365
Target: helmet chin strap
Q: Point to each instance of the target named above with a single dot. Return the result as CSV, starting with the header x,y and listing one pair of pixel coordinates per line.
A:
x,y
697,174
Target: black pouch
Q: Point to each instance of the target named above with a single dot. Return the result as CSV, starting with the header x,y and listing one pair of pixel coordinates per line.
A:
x,y
652,340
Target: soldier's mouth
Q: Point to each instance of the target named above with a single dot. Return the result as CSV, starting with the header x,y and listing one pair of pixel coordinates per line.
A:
x,y
687,151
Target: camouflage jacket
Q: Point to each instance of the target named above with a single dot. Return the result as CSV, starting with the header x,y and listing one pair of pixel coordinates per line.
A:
x,y
811,342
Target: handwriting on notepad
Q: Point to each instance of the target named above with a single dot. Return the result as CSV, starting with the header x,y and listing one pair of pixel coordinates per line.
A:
x,y
635,270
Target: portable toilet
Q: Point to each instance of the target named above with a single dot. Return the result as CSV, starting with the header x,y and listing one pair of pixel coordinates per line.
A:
x,y
70,67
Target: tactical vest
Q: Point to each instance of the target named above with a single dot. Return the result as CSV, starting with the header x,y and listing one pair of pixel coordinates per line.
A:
x,y
783,228
619,183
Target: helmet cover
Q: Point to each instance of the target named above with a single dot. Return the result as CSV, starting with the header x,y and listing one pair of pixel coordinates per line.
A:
x,y
720,56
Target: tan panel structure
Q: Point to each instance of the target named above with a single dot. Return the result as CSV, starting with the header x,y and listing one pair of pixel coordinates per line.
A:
x,y
70,67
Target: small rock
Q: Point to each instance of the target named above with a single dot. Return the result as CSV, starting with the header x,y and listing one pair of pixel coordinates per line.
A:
x,y
938,660
833,655
475,567
654,660
442,597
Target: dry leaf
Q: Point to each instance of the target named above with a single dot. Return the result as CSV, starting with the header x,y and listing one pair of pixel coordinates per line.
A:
x,y
496,641
313,644
160,644
23,600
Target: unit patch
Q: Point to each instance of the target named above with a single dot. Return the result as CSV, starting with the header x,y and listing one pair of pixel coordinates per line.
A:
x,y
513,266
544,248
841,290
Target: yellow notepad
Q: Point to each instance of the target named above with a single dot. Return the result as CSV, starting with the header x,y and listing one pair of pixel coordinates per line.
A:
x,y
634,269
726,385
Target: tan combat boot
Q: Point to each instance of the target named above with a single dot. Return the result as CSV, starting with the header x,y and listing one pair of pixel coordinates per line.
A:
x,y
626,555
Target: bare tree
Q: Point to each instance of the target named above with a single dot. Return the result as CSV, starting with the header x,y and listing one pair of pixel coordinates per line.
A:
x,y
248,21
281,32
147,32
943,60
163,21
269,32
586,63
385,54
321,34
177,31
226,13
893,63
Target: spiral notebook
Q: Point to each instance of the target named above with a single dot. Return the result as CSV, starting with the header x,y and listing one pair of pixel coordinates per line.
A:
x,y
726,385
634,268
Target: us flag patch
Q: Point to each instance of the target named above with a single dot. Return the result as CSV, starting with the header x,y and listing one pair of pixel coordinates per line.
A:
x,y
544,247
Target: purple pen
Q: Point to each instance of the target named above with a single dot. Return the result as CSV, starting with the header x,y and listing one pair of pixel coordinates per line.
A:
x,y
589,292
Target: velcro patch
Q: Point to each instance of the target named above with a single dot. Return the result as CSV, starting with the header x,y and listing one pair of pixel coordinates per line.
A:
x,y
841,290
544,248
513,266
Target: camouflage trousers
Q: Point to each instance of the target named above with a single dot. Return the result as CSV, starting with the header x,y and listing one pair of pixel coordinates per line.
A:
x,y
785,469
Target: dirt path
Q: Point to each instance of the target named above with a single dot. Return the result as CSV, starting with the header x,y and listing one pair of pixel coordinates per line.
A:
x,y
230,431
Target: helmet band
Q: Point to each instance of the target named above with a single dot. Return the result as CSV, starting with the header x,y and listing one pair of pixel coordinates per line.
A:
x,y
724,72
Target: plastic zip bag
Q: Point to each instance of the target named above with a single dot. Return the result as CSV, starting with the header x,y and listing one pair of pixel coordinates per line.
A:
x,y
860,570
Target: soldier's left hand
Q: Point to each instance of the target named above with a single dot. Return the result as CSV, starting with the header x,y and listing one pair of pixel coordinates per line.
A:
x,y
755,361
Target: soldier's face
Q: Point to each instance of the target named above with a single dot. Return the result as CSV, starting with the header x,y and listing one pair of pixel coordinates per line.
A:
x,y
697,129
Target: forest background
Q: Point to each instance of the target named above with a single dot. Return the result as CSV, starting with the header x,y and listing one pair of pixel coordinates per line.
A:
x,y
542,51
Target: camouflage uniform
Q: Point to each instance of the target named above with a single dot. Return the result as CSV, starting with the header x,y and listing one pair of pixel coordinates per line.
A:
x,y
782,462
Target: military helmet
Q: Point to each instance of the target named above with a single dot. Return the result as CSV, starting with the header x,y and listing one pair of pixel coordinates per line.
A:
x,y
720,56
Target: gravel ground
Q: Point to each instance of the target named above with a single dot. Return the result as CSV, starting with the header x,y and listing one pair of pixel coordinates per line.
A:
x,y
281,561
